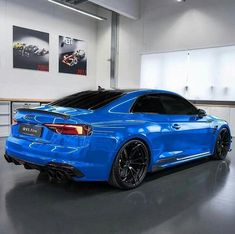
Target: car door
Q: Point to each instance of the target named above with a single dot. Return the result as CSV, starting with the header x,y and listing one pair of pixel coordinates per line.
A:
x,y
149,109
191,135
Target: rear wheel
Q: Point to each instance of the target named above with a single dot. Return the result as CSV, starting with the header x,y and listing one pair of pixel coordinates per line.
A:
x,y
130,166
222,144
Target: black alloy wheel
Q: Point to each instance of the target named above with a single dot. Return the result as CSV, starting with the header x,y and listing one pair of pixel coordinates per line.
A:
x,y
222,144
130,166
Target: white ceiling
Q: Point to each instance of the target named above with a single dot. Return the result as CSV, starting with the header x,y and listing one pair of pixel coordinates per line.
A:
x,y
128,8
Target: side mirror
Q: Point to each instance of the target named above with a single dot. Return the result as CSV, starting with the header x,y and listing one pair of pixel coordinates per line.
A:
x,y
201,113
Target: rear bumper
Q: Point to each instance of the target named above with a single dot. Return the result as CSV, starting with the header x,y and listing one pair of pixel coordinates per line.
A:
x,y
92,165
69,170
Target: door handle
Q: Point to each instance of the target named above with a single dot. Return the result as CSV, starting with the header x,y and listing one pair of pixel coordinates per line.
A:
x,y
216,127
176,126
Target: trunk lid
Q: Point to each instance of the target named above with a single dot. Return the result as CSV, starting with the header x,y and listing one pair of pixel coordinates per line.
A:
x,y
51,114
34,120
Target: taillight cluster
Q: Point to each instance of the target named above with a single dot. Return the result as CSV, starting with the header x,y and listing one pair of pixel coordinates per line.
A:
x,y
14,122
70,129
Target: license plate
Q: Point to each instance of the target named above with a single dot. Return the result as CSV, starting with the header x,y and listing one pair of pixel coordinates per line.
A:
x,y
30,130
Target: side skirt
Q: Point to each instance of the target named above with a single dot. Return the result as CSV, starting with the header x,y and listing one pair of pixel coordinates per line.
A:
x,y
168,162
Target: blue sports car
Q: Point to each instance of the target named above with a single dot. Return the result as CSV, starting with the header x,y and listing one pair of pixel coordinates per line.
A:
x,y
114,135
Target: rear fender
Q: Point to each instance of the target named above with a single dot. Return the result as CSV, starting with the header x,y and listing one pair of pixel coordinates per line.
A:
x,y
106,141
140,137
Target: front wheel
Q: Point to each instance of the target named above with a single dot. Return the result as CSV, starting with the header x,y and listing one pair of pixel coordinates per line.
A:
x,y
222,144
130,166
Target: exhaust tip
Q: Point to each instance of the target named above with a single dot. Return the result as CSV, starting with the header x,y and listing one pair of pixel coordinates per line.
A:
x,y
60,176
15,162
27,166
7,158
51,174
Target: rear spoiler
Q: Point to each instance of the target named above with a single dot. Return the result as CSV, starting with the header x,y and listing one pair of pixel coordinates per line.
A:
x,y
64,116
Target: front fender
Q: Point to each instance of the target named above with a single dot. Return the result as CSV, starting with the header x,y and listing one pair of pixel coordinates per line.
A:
x,y
221,124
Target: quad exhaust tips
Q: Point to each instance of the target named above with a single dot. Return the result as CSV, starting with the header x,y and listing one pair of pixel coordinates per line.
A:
x,y
55,171
58,175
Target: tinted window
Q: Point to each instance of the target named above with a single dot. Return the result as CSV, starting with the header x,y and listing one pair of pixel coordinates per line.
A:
x,y
89,99
175,105
148,104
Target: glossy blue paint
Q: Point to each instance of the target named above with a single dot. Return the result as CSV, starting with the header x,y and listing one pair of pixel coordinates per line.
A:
x,y
113,125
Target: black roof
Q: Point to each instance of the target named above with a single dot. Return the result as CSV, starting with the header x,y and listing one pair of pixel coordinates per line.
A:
x,y
90,99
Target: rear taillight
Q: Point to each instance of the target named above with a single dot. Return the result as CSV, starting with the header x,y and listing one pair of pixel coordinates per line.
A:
x,y
14,122
68,129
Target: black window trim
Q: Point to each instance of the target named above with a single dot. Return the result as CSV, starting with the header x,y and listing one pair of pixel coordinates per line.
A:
x,y
161,94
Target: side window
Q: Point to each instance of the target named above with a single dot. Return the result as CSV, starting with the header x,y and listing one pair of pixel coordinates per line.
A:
x,y
175,105
148,104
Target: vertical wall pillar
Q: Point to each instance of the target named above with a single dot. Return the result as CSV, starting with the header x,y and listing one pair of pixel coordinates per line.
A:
x,y
114,50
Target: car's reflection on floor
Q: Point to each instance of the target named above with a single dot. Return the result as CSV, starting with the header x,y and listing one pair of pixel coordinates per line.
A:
x,y
38,206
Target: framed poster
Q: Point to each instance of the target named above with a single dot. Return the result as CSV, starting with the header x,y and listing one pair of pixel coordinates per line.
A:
x,y
72,56
30,49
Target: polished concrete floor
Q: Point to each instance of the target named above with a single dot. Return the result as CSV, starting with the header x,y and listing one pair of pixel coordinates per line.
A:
x,y
195,198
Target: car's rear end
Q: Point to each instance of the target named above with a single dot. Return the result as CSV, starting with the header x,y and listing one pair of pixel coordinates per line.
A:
x,y
50,138
59,138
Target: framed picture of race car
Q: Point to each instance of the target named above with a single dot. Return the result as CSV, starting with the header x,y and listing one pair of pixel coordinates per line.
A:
x,y
72,56
30,49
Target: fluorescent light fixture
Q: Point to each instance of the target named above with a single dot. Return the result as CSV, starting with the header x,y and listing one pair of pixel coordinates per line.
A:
x,y
77,10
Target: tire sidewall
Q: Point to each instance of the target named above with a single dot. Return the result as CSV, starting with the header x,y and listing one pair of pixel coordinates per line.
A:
x,y
115,170
215,150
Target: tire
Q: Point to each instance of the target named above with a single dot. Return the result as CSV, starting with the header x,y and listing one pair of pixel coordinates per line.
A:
x,y
130,165
222,144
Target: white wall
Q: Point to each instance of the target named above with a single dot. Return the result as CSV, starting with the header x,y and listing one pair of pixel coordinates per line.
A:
x,y
104,50
202,74
43,16
166,25
225,112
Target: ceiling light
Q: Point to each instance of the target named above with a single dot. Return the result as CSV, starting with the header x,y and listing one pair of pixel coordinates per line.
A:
x,y
180,0
78,10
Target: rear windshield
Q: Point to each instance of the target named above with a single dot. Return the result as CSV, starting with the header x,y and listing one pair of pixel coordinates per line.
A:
x,y
89,99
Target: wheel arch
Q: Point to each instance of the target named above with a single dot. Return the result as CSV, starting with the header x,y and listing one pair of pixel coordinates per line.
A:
x,y
145,142
141,138
112,180
223,126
